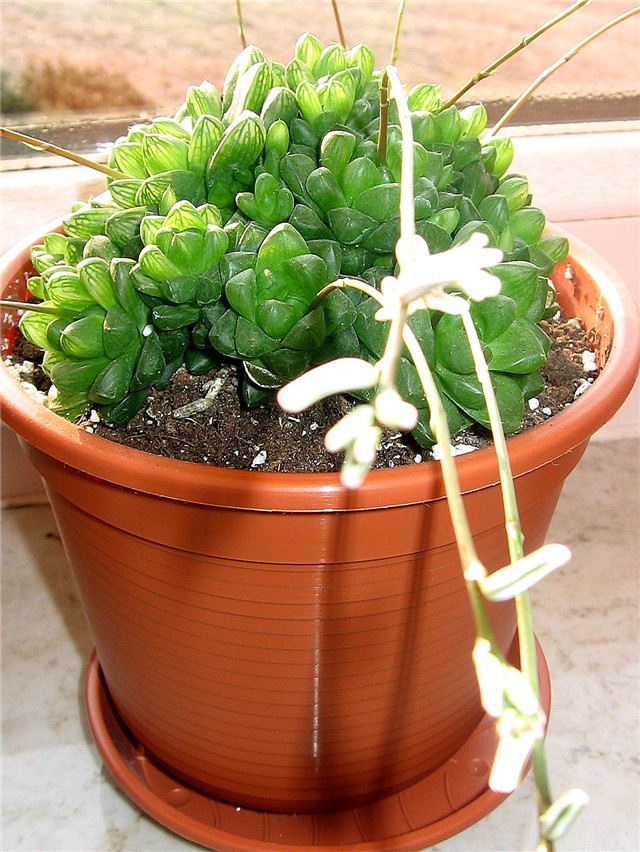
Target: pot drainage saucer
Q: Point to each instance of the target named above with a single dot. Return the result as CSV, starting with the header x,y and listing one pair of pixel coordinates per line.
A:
x,y
444,803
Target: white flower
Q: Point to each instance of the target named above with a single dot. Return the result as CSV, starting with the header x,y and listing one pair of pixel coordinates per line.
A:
x,y
339,376
365,446
514,579
392,410
347,430
424,275
352,473
513,752
519,693
559,817
490,672
358,434
506,694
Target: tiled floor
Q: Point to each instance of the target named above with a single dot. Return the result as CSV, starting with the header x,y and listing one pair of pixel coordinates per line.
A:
x,y
57,796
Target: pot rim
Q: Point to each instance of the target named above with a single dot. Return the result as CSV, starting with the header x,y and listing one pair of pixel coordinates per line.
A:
x,y
273,491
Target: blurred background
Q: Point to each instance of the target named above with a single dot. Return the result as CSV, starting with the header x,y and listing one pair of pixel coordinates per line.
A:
x,y
81,71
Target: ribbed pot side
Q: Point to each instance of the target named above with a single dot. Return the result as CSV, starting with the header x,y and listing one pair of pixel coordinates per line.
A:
x,y
275,640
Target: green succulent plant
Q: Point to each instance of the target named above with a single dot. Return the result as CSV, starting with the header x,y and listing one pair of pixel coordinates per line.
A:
x,y
233,216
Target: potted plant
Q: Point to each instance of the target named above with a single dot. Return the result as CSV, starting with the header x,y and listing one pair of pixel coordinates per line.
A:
x,y
280,655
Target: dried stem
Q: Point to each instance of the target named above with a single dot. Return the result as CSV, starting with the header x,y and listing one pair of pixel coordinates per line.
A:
x,y
384,119
243,40
61,152
336,15
524,97
525,41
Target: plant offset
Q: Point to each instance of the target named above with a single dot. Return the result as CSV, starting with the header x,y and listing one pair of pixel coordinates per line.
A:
x,y
229,219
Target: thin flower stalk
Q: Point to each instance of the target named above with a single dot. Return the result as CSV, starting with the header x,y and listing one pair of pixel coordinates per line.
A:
x,y
336,15
459,518
541,78
243,40
524,615
524,42
35,307
48,148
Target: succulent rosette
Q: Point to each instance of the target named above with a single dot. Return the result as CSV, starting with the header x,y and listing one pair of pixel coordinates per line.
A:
x,y
231,218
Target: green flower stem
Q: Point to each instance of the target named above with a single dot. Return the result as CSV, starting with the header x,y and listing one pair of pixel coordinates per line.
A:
x,y
526,40
336,15
61,152
512,518
396,34
36,307
393,349
243,40
526,637
464,539
524,97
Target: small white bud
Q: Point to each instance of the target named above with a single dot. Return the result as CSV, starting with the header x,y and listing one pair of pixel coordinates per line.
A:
x,y
513,579
511,759
346,430
366,445
559,817
392,411
339,376
518,691
490,672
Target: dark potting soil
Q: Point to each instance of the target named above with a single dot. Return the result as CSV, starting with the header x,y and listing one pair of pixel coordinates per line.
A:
x,y
201,418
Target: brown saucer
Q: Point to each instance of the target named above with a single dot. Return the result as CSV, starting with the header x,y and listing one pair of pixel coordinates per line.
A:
x,y
444,803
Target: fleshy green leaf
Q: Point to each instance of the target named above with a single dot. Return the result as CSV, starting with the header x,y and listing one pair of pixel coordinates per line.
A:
x,y
119,332
250,91
207,133
113,382
251,341
95,276
241,293
492,317
308,333
241,143
518,349
164,153
516,191
75,376
349,226
528,224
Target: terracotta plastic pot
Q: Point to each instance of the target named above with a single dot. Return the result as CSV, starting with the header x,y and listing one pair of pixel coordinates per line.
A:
x,y
275,641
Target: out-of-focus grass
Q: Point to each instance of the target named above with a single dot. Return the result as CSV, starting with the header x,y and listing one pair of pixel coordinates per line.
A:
x,y
48,86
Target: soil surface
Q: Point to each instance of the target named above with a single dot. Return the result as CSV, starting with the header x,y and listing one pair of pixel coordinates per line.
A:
x,y
225,434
